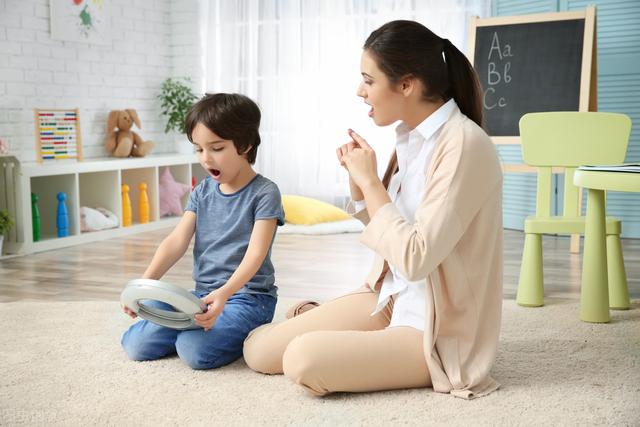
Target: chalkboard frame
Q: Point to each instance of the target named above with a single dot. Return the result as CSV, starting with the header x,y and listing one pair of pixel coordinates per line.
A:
x,y
588,74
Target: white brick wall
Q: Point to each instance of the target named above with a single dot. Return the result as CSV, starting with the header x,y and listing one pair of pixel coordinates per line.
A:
x,y
186,46
150,41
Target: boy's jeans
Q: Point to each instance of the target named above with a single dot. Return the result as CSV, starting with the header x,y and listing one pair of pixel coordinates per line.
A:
x,y
217,347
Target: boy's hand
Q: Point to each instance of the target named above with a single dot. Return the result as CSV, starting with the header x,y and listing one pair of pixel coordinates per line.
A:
x,y
129,312
215,302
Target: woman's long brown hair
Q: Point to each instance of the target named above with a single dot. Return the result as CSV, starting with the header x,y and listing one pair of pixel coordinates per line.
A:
x,y
408,48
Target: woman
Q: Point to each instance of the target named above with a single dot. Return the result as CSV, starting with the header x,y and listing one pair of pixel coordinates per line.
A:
x,y
429,313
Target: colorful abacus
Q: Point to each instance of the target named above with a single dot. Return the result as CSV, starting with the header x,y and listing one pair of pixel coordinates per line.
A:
x,y
58,133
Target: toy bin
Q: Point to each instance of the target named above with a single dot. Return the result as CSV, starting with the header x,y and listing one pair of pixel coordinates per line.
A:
x,y
101,189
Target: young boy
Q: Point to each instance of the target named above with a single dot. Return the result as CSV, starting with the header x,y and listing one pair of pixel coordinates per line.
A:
x,y
233,213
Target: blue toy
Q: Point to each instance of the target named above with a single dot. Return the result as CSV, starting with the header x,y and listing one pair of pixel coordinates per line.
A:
x,y
63,218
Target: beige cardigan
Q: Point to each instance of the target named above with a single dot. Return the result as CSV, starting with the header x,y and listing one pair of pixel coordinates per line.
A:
x,y
455,244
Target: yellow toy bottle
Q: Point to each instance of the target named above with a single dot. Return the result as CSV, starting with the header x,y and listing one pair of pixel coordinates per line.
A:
x,y
126,206
143,204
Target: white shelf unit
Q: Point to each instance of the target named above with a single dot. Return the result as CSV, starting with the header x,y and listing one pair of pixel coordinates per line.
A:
x,y
88,183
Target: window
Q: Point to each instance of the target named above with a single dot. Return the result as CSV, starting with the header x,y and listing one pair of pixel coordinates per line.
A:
x,y
300,60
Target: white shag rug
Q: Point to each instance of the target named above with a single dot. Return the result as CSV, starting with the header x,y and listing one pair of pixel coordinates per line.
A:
x,y
61,364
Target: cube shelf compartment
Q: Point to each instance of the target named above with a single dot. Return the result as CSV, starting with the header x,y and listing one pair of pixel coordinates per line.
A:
x,y
47,189
92,183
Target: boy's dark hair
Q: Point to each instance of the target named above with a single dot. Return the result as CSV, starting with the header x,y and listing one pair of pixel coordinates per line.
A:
x,y
231,116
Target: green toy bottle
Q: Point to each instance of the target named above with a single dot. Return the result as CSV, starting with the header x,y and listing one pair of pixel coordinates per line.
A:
x,y
35,217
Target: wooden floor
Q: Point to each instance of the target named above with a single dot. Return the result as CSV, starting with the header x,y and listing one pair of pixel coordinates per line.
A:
x,y
315,267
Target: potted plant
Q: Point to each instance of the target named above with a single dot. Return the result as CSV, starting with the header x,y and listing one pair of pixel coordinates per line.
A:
x,y
176,97
6,223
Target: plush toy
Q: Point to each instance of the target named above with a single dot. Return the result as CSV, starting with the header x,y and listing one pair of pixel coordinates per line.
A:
x,y
171,193
121,140
97,219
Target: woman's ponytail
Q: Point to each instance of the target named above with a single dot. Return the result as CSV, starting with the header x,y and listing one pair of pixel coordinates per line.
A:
x,y
464,86
392,168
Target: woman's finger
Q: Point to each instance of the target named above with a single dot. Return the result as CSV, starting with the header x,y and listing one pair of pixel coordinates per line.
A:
x,y
345,150
359,140
346,158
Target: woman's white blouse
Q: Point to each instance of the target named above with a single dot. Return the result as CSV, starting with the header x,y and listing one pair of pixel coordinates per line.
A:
x,y
414,149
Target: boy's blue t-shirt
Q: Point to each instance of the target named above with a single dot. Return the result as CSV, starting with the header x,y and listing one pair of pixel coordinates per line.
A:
x,y
224,223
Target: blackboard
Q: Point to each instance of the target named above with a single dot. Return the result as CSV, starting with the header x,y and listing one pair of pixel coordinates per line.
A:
x,y
529,67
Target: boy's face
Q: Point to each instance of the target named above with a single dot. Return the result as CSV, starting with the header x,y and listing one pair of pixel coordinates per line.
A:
x,y
218,156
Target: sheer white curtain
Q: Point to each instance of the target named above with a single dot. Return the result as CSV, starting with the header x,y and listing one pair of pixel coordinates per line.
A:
x,y
300,60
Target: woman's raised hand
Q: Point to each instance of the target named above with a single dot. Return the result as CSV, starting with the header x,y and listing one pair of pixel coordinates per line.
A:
x,y
360,161
356,193
344,149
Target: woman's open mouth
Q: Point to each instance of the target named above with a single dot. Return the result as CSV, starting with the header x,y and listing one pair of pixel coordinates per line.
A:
x,y
371,112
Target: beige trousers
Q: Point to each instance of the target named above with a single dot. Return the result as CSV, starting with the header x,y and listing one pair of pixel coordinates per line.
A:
x,y
340,347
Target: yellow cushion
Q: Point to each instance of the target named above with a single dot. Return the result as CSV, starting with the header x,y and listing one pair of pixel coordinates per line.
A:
x,y
305,211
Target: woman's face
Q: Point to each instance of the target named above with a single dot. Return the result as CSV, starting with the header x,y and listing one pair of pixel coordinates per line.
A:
x,y
377,91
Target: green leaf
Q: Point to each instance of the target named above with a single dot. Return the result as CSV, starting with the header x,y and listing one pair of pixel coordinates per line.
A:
x,y
176,98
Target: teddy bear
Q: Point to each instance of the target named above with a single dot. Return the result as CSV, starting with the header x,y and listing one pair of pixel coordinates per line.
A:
x,y
121,140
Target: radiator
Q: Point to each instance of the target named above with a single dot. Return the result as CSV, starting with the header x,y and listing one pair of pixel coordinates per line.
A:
x,y
8,184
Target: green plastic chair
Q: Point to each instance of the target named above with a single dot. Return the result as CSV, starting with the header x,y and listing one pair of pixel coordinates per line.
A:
x,y
569,139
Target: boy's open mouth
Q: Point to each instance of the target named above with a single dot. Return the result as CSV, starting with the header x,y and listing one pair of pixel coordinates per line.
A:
x,y
214,172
